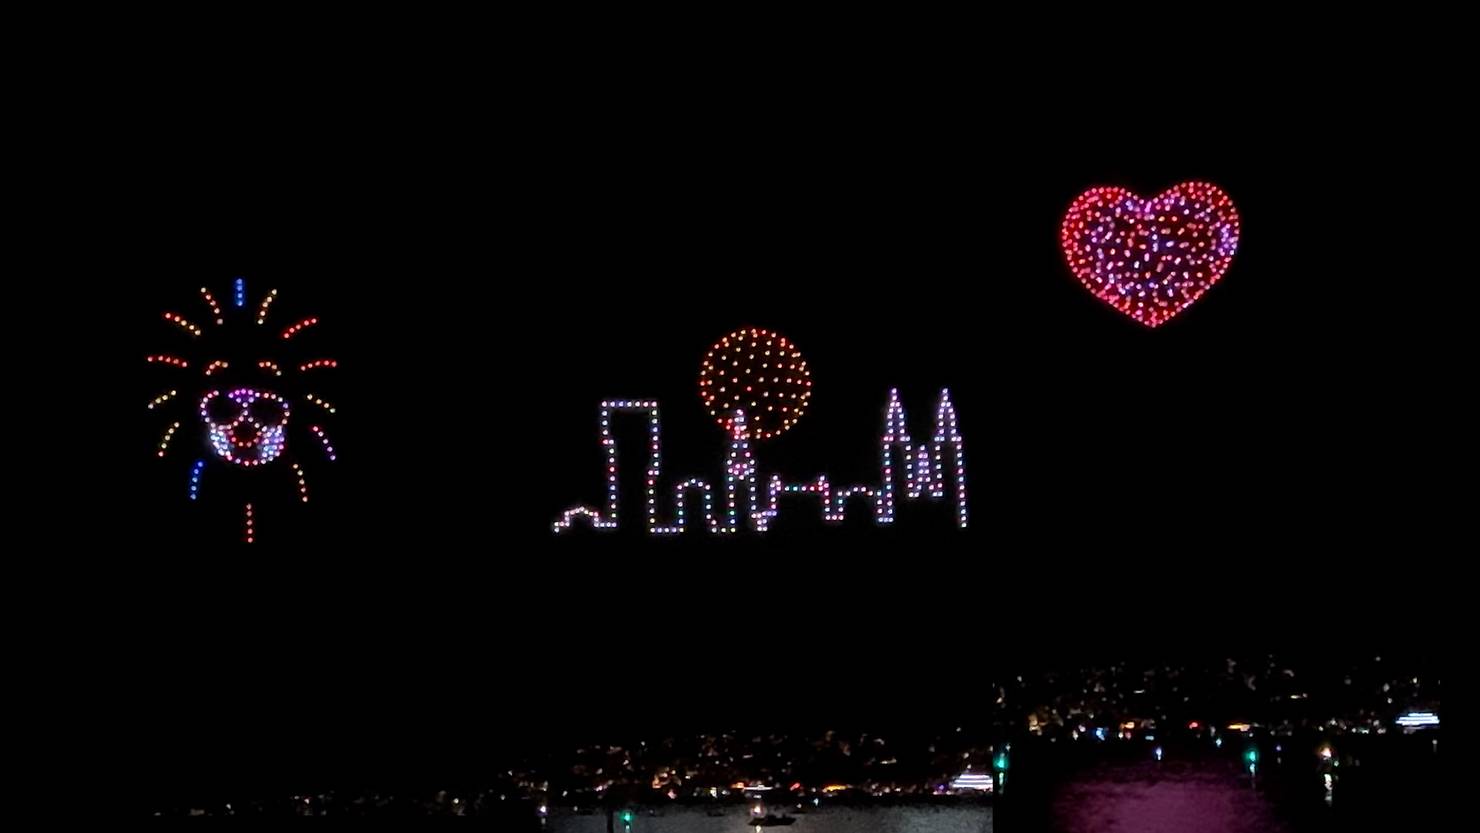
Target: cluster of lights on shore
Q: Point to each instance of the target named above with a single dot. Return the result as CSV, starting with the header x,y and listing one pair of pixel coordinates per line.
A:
x,y
244,425
924,465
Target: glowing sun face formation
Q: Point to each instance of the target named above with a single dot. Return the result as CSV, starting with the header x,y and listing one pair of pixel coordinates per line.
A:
x,y
243,422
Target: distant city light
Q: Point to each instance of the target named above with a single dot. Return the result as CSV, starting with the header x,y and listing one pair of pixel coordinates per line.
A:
x,y
1238,727
1416,719
1157,752
834,788
1192,725
1101,733
972,781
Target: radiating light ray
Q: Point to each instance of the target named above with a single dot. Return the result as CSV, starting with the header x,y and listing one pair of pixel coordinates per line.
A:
x,y
266,302
174,361
249,523
296,328
215,366
195,479
169,434
328,449
241,292
270,365
179,320
319,402
215,307
317,363
162,398
302,483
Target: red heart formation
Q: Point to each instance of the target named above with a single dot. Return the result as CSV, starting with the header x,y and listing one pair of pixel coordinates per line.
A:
x,y
1150,259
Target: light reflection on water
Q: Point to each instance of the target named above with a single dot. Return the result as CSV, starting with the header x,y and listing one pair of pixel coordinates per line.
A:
x,y
1155,799
826,820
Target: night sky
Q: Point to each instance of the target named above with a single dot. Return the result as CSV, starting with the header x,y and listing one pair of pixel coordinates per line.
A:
x,y
1196,490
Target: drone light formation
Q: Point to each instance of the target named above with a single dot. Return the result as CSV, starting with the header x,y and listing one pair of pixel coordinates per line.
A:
x,y
163,398
215,307
923,467
302,483
299,327
319,432
319,402
169,434
246,426
262,310
195,478
179,321
759,372
1150,258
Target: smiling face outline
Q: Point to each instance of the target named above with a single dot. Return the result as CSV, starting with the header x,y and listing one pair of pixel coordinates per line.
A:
x,y
246,426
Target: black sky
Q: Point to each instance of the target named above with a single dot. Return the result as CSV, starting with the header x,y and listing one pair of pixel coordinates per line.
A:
x,y
1198,489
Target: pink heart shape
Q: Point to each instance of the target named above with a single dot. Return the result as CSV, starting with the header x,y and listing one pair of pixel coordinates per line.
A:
x,y
1150,259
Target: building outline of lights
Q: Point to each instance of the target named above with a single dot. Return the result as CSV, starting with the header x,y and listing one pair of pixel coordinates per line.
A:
x,y
922,467
1121,246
